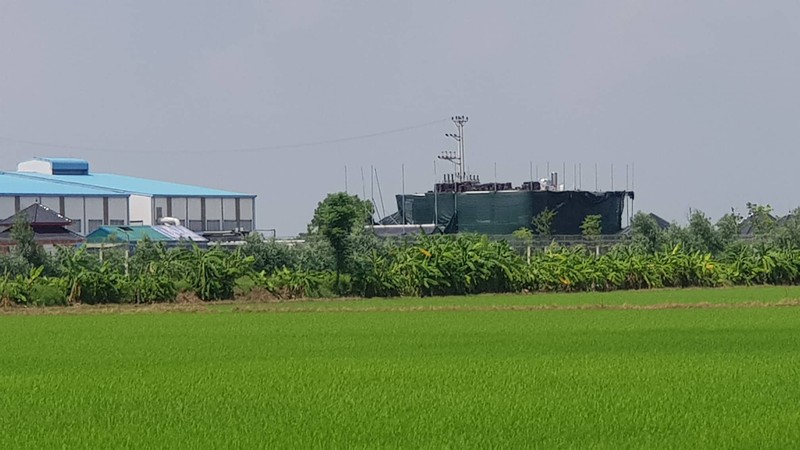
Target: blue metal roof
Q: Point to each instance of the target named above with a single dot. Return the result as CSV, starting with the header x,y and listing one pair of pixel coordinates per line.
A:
x,y
68,166
18,184
134,185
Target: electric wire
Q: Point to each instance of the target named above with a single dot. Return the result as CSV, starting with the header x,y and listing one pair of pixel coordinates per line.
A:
x,y
265,148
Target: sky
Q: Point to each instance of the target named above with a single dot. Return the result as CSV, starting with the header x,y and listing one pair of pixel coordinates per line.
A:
x,y
702,98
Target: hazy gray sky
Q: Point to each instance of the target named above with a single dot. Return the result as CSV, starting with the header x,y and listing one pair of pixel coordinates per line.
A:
x,y
703,96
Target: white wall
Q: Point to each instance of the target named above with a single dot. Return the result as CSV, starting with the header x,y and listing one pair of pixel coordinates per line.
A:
x,y
94,214
179,208
6,206
246,208
24,202
141,209
213,208
118,209
73,209
51,202
194,209
229,208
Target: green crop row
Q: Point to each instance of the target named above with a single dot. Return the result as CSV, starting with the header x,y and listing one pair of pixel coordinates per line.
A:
x,y
424,266
676,378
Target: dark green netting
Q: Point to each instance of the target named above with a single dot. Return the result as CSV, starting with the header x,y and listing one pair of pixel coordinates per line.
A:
x,y
503,212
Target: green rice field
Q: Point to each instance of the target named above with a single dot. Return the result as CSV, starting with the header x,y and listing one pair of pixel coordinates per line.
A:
x,y
671,368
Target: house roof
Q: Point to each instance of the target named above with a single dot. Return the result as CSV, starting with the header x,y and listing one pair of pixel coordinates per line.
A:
x,y
122,184
136,233
47,234
37,214
14,183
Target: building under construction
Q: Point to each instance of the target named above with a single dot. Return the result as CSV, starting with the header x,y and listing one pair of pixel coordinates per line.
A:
x,y
462,203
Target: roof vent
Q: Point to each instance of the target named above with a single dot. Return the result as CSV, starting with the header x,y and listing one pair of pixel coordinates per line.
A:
x,y
69,166
55,166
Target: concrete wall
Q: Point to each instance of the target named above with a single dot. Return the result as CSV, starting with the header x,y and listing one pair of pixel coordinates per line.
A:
x,y
141,210
117,210
93,207
6,206
73,209
206,213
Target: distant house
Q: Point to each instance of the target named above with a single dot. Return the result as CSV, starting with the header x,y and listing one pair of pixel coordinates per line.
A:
x,y
662,223
748,226
50,229
170,235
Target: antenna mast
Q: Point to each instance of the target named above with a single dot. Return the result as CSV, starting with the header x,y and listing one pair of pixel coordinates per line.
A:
x,y
457,157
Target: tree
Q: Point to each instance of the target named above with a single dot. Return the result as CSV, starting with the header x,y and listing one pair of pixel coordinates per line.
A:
x,y
703,237
646,233
543,222
761,218
727,228
335,218
26,246
592,226
787,233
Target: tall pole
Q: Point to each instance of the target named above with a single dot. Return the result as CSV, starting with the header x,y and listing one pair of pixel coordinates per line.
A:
x,y
457,158
363,185
403,186
612,177
530,168
435,196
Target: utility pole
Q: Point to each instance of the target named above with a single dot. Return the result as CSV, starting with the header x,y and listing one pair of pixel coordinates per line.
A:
x,y
457,158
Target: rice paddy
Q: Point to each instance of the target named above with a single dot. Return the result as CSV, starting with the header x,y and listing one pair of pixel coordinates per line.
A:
x,y
671,368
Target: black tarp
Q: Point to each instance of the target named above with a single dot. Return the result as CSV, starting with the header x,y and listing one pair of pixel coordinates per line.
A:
x,y
503,212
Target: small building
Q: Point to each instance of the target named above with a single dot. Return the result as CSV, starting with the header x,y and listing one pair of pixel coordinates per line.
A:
x,y
50,229
170,235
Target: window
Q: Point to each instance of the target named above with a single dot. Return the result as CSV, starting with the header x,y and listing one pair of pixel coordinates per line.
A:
x,y
93,225
196,225
212,225
246,225
117,222
228,225
159,212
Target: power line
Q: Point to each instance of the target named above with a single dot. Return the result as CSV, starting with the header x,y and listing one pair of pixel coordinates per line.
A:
x,y
232,150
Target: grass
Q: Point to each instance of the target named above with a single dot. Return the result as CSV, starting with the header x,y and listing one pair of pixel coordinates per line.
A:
x,y
332,376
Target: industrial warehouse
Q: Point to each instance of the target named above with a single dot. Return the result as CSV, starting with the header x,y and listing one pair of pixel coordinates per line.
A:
x,y
92,200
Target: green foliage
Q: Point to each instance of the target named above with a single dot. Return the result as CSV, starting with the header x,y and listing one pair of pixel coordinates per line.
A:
x,y
646,234
761,218
787,233
543,222
591,227
13,264
523,234
268,255
335,218
212,273
25,246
